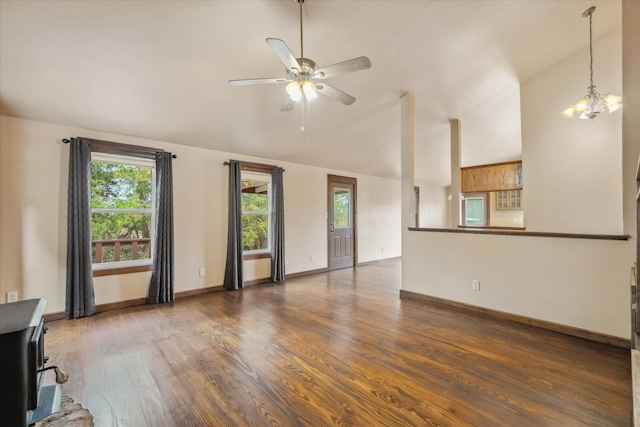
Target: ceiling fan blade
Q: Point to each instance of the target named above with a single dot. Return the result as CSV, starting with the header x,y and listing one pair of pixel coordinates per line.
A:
x,y
287,105
332,92
355,64
246,82
284,53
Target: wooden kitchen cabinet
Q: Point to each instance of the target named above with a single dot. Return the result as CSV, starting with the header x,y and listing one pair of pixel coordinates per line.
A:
x,y
494,177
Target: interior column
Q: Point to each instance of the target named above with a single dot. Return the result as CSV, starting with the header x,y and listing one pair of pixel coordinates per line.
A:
x,y
454,195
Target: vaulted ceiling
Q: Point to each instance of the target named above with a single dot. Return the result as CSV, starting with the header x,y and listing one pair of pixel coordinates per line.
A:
x,y
159,70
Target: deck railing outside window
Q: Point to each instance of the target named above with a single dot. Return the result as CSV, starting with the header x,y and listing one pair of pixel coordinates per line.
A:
x,y
120,250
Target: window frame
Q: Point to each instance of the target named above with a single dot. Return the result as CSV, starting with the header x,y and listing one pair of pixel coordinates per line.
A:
x,y
486,207
130,266
267,172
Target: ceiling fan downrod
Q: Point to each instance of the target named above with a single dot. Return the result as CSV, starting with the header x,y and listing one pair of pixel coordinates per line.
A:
x,y
301,63
301,38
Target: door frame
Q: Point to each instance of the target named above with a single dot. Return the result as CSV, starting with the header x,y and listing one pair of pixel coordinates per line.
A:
x,y
338,179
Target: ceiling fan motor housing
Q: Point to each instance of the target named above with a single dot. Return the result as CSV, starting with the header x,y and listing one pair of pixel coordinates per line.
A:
x,y
308,69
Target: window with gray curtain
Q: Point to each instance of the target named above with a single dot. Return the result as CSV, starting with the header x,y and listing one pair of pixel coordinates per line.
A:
x,y
277,227
122,212
161,288
233,272
249,219
80,298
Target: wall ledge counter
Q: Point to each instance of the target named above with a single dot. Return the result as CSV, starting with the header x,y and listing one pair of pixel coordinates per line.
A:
x,y
513,231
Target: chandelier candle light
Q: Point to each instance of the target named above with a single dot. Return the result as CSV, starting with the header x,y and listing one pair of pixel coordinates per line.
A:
x,y
593,103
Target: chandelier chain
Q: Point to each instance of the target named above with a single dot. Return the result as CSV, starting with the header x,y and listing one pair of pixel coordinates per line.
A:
x,y
593,103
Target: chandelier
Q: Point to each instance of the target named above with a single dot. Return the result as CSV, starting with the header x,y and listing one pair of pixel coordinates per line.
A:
x,y
593,103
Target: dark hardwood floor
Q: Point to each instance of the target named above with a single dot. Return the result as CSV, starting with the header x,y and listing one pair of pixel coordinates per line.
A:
x,y
335,349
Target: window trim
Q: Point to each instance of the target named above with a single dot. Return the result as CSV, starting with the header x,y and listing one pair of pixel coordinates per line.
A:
x,y
487,208
260,253
131,266
122,270
256,255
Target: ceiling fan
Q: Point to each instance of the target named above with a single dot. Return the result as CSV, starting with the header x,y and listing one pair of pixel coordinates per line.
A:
x,y
304,79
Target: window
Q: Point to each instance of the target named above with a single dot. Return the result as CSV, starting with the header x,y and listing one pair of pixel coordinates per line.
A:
x,y
341,207
122,218
256,212
475,209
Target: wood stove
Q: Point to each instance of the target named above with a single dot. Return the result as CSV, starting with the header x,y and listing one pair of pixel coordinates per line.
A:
x,y
23,399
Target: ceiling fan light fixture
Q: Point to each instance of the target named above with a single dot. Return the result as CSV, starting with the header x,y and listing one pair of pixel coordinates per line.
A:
x,y
304,78
309,90
294,91
593,103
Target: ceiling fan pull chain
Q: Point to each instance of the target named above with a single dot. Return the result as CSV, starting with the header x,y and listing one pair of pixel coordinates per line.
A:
x,y
308,108
302,115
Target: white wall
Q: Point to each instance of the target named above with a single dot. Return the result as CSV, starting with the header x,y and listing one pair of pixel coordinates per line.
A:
x,y
434,212
580,283
630,112
572,173
33,183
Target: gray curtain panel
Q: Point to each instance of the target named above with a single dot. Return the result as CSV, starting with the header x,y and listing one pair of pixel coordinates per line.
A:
x,y
233,277
161,286
80,298
277,227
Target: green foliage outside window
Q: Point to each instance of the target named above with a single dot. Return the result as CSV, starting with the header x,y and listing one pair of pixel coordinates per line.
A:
x,y
115,189
474,211
341,208
116,185
255,221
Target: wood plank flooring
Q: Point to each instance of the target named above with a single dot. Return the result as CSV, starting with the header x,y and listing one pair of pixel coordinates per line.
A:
x,y
334,349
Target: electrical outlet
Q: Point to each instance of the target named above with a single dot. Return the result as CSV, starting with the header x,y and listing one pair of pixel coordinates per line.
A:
x,y
201,271
12,296
475,285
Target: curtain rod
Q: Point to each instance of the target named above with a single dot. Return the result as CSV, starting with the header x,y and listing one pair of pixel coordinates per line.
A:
x,y
66,141
255,165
